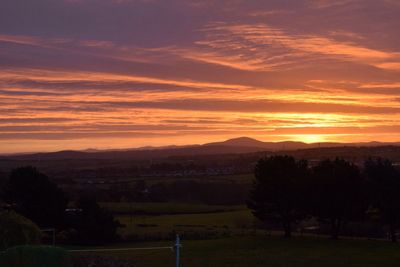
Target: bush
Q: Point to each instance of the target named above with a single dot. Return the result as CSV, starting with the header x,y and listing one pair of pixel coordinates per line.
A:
x,y
35,256
92,225
17,230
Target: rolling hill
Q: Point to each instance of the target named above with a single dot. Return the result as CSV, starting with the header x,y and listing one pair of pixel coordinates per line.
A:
x,y
231,146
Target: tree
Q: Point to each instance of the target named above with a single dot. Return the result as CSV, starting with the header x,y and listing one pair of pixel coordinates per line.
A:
x,y
35,197
384,185
3,179
17,230
338,193
278,191
93,224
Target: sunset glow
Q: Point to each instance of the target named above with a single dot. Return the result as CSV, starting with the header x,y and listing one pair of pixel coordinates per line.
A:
x,y
77,74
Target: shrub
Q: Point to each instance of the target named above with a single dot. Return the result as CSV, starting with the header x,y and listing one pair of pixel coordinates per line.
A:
x,y
35,256
36,197
17,230
92,225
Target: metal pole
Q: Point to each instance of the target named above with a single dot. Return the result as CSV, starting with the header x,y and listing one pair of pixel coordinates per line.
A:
x,y
177,250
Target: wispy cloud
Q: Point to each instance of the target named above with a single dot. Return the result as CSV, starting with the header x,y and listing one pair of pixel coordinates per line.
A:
x,y
263,47
321,4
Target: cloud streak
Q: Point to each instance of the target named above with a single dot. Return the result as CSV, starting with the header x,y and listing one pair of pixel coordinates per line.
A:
x,y
262,47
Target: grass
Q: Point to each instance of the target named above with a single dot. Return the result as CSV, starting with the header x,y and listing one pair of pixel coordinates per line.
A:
x,y
253,251
227,240
157,221
230,242
204,225
159,208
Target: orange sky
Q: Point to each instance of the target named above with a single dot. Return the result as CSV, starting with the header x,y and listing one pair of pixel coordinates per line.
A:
x,y
78,74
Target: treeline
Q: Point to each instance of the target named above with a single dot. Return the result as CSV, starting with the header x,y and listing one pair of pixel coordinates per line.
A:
x,y
182,190
287,191
202,190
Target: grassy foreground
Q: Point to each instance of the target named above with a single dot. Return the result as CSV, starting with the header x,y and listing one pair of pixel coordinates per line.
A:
x,y
206,224
159,221
264,251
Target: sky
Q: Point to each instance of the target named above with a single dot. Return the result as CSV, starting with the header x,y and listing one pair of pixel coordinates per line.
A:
x,y
78,74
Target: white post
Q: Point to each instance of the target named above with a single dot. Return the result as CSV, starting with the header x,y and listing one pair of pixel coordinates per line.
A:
x,y
177,250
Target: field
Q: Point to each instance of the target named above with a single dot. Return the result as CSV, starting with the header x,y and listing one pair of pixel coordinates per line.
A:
x,y
193,226
265,251
226,236
167,208
155,221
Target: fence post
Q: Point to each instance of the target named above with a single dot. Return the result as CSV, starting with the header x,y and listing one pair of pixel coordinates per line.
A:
x,y
177,250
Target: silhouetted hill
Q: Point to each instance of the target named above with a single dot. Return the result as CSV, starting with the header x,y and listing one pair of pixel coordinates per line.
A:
x,y
138,154
231,146
289,145
240,141
250,142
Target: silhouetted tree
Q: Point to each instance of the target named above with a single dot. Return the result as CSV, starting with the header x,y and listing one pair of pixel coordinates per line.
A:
x,y
35,197
93,224
337,193
3,180
278,191
384,185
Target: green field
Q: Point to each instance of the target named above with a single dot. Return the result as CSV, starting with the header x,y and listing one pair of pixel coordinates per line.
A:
x,y
269,252
159,221
168,208
193,226
225,236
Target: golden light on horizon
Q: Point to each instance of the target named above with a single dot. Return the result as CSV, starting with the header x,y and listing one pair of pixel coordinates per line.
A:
x,y
310,138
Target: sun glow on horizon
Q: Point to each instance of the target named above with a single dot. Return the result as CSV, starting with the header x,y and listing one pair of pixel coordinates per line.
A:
x,y
308,138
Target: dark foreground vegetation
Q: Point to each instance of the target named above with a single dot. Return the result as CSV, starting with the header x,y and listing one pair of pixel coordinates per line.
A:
x,y
336,197
249,250
336,192
261,251
46,256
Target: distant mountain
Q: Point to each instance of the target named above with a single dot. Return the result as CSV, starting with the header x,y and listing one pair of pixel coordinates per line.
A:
x,y
231,146
250,142
291,145
95,150
240,141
